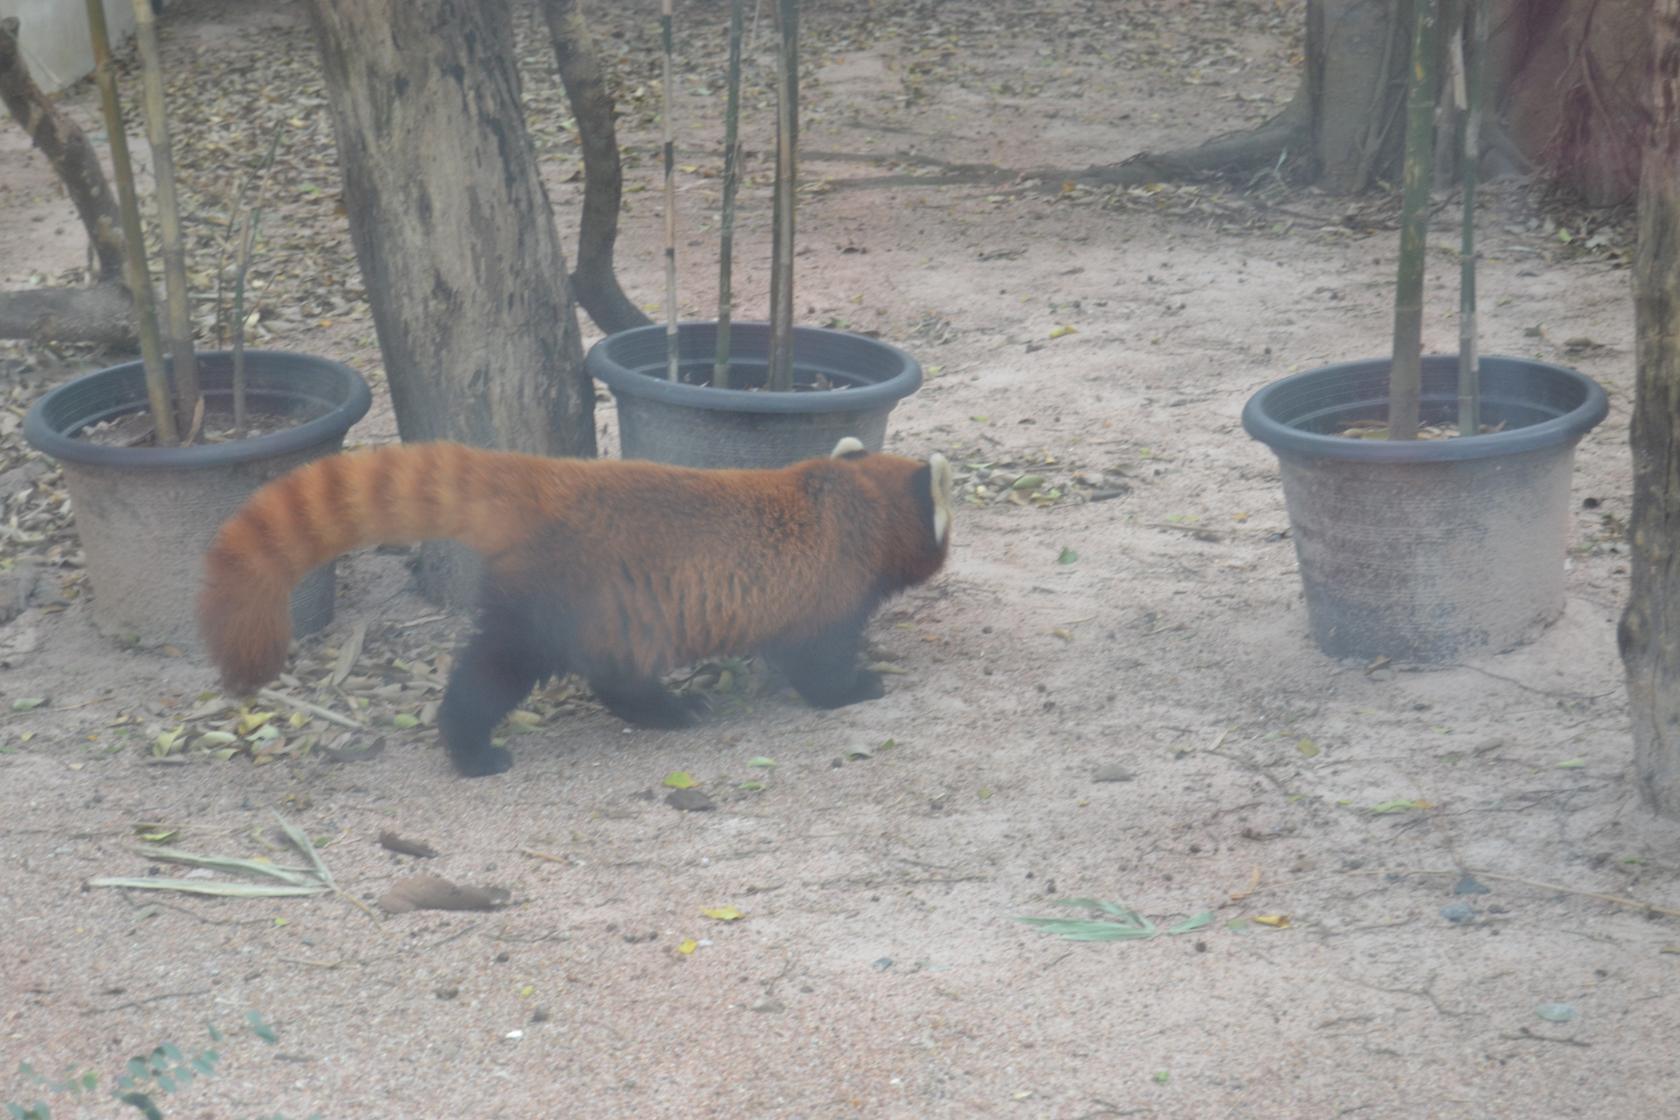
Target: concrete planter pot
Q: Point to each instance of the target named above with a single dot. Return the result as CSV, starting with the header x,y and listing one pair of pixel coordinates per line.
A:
x,y
845,385
145,515
1428,550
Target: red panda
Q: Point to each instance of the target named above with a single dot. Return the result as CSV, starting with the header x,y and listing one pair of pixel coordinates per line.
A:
x,y
617,571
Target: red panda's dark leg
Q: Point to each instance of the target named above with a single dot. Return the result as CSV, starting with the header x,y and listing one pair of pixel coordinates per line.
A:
x,y
824,669
494,673
646,703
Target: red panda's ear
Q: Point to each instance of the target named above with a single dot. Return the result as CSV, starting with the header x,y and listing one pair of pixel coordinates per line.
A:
x,y
939,487
848,445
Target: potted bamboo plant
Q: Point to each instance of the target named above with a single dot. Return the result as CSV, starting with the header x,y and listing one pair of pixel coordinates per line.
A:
x,y
155,452
1429,549
720,393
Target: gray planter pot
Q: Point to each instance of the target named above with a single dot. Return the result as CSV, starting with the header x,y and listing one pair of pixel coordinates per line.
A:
x,y
146,515
1428,550
689,423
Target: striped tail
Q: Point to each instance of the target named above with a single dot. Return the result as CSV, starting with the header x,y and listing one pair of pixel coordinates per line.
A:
x,y
391,495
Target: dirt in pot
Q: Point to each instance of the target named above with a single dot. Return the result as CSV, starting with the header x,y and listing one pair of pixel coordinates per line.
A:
x,y
135,429
1378,429
751,379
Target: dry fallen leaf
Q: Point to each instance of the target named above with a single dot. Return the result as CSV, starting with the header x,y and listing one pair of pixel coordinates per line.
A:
x,y
390,841
690,801
723,913
355,753
433,892
347,655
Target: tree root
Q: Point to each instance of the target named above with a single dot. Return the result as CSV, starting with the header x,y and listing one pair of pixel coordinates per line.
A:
x,y
101,314
1234,153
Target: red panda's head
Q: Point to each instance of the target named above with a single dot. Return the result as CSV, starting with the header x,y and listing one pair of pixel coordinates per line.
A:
x,y
911,521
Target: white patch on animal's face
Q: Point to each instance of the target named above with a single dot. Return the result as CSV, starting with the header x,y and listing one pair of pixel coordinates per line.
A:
x,y
846,446
940,481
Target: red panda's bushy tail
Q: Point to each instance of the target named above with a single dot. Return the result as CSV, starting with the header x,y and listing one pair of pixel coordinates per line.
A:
x,y
390,495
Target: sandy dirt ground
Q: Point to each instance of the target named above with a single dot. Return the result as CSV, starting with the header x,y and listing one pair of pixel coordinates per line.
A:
x,y
1148,725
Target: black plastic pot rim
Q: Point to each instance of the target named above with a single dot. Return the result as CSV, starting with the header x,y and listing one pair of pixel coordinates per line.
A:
x,y
624,381
64,447
1558,431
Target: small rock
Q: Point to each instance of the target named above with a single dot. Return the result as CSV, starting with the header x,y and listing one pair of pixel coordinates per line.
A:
x,y
1469,885
1555,1012
539,1014
1113,772
20,476
769,1005
689,801
882,964
355,752
448,991
1458,913
16,588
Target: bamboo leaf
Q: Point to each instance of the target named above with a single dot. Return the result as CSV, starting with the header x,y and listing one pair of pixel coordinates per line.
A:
x,y
296,876
307,847
1193,923
1089,930
211,887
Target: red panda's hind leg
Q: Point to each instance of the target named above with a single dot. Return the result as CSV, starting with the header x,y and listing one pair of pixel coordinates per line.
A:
x,y
824,669
646,703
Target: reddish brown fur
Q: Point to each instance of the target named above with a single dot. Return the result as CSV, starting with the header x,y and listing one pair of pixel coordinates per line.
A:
x,y
657,566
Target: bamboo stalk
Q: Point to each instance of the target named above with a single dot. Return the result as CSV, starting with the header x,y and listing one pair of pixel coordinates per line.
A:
x,y
229,241
137,274
787,176
183,363
671,364
1472,64
731,175
247,234
1405,378
247,237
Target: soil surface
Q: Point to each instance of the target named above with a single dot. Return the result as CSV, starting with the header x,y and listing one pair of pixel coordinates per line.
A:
x,y
1421,883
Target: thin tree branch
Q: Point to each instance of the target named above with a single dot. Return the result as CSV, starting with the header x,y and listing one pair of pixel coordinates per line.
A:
x,y
594,281
67,149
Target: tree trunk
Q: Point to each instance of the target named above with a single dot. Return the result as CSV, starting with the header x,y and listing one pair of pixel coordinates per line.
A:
x,y
453,233
1650,631
1573,98
1357,55
1564,93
